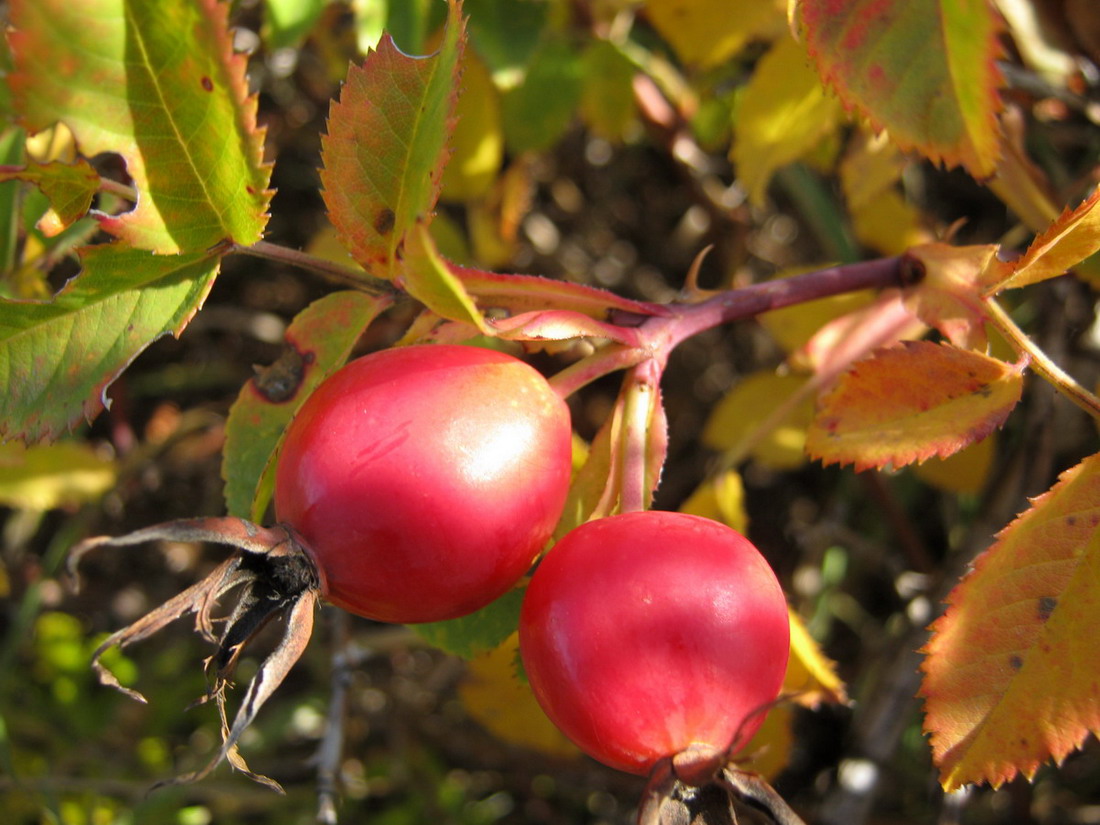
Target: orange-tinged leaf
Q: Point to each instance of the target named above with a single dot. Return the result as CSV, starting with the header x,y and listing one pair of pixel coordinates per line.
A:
x,y
495,697
948,297
924,70
783,115
1066,242
387,144
1011,677
911,402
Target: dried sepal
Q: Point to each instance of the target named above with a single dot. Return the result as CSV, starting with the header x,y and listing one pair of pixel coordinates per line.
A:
x,y
701,785
276,578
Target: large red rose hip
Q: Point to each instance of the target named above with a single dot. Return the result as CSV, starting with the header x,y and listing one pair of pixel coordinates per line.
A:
x,y
424,480
645,633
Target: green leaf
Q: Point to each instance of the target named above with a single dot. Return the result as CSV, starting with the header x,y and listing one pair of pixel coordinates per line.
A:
x,y
318,342
11,152
428,278
157,82
924,70
539,110
607,94
385,148
478,632
410,22
58,357
70,187
287,22
506,33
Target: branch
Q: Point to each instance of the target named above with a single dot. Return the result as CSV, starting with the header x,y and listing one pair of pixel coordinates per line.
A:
x,y
346,275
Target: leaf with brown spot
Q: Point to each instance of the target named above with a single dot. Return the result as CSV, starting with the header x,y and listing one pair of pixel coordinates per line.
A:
x,y
386,146
911,402
318,341
1011,675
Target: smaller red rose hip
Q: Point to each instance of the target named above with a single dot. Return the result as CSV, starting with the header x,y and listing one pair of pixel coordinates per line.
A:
x,y
648,634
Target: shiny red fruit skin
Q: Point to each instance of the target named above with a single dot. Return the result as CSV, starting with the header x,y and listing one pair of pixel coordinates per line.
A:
x,y
646,632
424,480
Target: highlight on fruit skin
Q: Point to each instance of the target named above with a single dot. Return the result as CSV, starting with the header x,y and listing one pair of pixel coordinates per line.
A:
x,y
424,480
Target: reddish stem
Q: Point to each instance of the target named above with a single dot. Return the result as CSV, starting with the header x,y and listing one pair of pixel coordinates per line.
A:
x,y
659,335
747,302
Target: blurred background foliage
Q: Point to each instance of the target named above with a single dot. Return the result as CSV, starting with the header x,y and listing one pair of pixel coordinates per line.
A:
x,y
606,142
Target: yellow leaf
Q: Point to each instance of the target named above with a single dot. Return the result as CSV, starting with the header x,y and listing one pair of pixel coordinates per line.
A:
x,y
1011,674
1066,242
911,402
477,144
783,115
494,219
964,472
794,326
811,676
708,32
721,498
763,416
769,750
888,224
53,475
810,680
872,164
495,698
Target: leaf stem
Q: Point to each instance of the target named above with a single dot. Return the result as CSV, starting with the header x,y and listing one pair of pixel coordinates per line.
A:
x,y
346,275
1040,361
119,189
